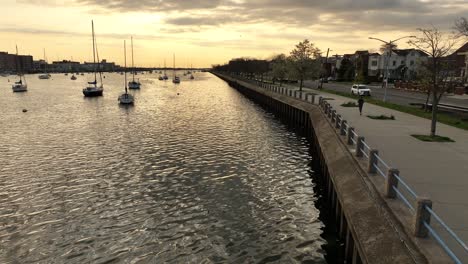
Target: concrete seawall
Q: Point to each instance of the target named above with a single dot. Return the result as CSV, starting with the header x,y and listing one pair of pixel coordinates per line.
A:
x,y
369,229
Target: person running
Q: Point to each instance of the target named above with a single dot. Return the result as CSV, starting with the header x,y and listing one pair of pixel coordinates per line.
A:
x,y
360,104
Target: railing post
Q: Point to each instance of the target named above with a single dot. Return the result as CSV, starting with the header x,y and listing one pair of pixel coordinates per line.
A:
x,y
359,146
312,101
372,160
391,182
342,127
332,113
350,135
421,215
337,121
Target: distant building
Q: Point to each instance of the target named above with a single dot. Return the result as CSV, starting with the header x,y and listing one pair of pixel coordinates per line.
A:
x,y
102,66
12,62
403,64
65,66
460,63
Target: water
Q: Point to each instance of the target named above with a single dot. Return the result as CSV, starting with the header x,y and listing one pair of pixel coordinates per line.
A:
x,y
193,173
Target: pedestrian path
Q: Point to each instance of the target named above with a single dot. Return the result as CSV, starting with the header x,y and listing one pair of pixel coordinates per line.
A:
x,y
435,170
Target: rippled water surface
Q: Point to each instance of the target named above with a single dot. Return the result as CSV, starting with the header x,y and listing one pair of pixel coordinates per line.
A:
x,y
193,173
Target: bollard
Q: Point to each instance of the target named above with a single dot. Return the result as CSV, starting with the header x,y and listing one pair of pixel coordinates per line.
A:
x,y
337,121
330,111
333,117
312,101
359,146
343,127
372,160
391,182
350,135
421,215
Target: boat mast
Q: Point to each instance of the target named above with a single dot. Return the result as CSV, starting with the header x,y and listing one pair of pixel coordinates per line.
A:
x,y
98,60
173,62
19,66
125,59
133,66
45,63
164,67
94,54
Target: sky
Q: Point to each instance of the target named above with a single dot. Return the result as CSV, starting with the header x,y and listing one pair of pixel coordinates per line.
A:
x,y
206,32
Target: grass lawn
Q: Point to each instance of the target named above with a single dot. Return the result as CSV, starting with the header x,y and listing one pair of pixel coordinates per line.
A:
x,y
441,117
349,104
381,117
435,138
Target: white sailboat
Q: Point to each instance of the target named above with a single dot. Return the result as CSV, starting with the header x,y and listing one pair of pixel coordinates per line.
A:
x,y
126,98
19,86
45,75
176,79
93,89
133,84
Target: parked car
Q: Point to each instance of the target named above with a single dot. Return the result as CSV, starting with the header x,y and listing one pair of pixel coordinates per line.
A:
x,y
360,89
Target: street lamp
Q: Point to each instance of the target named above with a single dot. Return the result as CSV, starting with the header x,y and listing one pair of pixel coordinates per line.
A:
x,y
389,51
326,62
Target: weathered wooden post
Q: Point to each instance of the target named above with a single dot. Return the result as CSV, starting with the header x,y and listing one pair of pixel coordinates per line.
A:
x,y
422,215
390,183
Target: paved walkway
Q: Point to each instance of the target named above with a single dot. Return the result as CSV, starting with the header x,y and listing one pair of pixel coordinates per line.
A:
x,y
435,170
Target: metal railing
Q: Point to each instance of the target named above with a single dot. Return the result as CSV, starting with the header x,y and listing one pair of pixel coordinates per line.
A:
x,y
408,196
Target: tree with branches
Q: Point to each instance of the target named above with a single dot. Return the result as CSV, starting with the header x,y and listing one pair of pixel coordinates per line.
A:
x,y
461,26
279,68
304,61
437,46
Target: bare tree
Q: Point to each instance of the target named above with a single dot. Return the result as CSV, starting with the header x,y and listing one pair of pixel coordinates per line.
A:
x,y
461,25
437,46
388,47
304,61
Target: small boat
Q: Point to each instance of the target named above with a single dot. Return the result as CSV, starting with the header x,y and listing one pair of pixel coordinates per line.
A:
x,y
126,98
19,86
66,74
161,78
93,89
133,84
191,73
176,78
45,75
73,77
83,73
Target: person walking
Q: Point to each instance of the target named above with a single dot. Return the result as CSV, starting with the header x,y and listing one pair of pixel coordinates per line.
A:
x,y
360,104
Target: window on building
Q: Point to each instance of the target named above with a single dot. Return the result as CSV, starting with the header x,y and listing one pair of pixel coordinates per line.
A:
x,y
402,62
374,63
411,63
394,63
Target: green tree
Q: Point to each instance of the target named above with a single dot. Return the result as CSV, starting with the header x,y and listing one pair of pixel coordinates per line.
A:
x,y
438,69
279,67
346,70
304,61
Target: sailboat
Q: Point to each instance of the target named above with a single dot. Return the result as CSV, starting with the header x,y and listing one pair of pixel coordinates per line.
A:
x,y
126,98
191,73
73,77
176,78
45,75
165,75
93,89
133,84
19,86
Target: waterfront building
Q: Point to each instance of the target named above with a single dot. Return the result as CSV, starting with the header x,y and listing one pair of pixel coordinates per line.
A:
x,y
10,62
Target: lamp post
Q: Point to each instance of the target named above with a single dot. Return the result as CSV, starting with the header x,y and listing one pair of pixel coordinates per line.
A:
x,y
388,44
326,62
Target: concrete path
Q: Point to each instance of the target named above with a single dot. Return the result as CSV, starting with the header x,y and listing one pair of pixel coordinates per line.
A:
x,y
435,170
